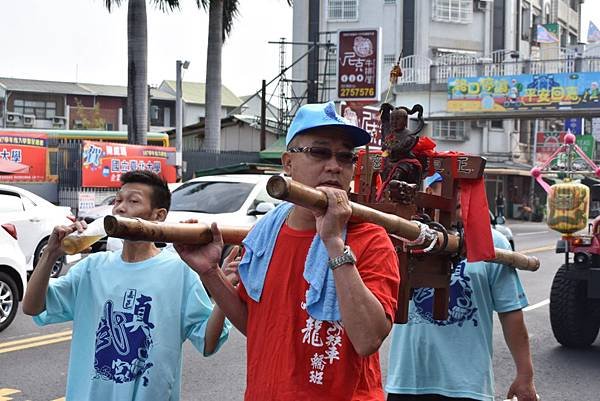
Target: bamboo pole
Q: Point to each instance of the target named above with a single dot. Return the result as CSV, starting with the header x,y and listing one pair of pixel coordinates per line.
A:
x,y
178,233
311,198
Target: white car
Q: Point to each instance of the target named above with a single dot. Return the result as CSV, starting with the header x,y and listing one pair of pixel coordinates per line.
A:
x,y
230,199
13,274
34,218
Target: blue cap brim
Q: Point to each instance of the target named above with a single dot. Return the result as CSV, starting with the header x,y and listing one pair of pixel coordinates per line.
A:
x,y
358,136
323,115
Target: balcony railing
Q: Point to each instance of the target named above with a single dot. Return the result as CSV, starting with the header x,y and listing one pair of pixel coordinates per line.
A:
x,y
422,70
415,70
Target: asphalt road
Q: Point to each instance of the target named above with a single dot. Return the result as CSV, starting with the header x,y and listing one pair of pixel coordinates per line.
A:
x,y
33,360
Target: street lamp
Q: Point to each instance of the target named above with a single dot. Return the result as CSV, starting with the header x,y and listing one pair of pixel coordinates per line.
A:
x,y
179,117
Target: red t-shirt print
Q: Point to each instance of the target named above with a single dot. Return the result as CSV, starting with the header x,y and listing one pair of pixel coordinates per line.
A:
x,y
292,356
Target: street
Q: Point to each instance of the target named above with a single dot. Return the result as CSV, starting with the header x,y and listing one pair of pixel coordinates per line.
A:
x,y
33,360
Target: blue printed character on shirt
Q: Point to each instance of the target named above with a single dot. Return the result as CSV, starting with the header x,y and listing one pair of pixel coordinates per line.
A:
x,y
460,308
123,340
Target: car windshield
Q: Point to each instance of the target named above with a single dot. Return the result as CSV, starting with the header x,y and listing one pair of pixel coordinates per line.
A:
x,y
210,197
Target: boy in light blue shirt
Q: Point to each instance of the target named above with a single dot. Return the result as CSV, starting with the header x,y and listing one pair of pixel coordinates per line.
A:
x,y
131,309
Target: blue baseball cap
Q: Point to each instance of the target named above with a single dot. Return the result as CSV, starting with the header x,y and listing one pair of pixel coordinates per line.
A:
x,y
432,179
323,115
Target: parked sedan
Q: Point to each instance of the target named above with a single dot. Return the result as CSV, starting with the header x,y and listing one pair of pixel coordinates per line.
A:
x,y
230,199
13,274
34,218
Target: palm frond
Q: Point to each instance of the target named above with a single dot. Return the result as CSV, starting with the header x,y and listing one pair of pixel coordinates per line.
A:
x,y
203,4
164,5
230,12
110,3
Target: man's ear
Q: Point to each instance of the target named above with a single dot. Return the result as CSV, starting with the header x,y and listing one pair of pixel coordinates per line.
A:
x,y
286,162
160,214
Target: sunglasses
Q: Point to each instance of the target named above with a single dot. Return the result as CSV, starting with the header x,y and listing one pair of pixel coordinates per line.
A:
x,y
322,154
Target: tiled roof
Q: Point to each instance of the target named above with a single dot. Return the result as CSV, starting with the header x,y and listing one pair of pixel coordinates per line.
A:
x,y
72,88
194,92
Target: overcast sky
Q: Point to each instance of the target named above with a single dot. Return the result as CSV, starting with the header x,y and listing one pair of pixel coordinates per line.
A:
x,y
69,40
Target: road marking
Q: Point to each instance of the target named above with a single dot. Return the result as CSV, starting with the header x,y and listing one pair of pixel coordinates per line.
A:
x,y
540,249
5,392
531,233
36,338
37,341
538,305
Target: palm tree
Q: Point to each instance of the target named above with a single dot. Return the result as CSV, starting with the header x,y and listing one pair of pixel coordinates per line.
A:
x,y
220,19
137,65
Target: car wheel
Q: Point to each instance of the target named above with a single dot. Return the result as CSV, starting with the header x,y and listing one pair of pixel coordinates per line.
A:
x,y
572,315
9,300
57,268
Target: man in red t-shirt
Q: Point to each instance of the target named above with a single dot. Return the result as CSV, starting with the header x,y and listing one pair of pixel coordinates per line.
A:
x,y
301,347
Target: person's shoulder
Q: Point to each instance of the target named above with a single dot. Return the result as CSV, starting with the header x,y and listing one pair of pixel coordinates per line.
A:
x,y
93,262
96,259
500,240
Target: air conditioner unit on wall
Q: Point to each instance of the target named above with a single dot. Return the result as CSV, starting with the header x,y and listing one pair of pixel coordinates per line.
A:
x,y
14,118
478,123
28,120
59,122
482,5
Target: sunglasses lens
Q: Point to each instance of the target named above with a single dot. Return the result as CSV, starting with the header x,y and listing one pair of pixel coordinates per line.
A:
x,y
345,157
321,153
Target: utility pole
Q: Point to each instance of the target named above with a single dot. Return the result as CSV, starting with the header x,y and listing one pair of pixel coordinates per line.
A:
x,y
533,159
263,116
179,117
313,56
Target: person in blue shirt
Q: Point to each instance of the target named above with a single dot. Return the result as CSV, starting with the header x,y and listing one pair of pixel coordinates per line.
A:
x,y
435,360
131,309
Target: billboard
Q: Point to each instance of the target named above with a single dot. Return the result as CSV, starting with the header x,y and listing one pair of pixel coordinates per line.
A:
x,y
548,142
358,67
104,162
524,92
27,148
365,116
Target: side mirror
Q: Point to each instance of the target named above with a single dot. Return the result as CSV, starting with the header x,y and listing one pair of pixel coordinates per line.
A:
x,y
500,220
261,208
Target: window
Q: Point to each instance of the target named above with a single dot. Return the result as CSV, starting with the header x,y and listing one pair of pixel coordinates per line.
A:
x,y
211,197
449,130
525,23
332,61
342,10
497,124
10,203
456,11
40,109
389,1
573,4
389,59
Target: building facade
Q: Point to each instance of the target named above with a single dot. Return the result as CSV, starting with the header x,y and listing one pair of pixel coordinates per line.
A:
x,y
438,43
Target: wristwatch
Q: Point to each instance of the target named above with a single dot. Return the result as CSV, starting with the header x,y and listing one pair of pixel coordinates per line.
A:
x,y
346,257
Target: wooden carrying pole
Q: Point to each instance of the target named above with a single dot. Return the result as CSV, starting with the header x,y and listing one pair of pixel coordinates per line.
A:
x,y
178,233
311,198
